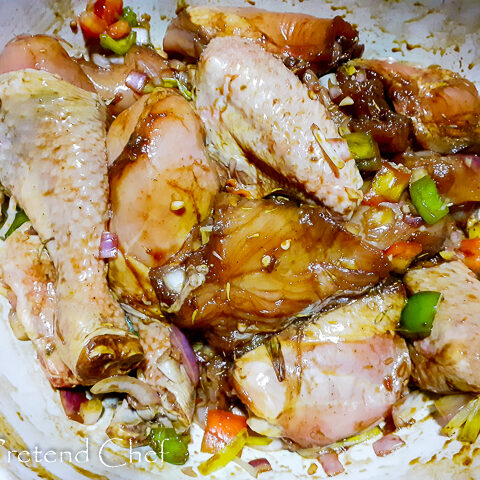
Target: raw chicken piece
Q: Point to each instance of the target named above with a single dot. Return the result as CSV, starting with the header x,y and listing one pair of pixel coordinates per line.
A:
x,y
337,374
301,40
42,52
252,105
444,107
448,359
161,185
162,392
28,272
52,160
457,176
110,81
163,370
266,262
364,94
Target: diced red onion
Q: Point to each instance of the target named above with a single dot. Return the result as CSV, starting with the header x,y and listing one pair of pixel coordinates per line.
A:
x,y
414,221
387,444
79,408
136,81
108,245
334,92
189,361
140,391
72,401
331,464
360,77
472,161
260,465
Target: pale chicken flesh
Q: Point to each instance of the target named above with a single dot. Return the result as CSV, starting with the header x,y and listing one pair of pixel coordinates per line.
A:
x,y
30,276
334,376
60,180
252,105
447,360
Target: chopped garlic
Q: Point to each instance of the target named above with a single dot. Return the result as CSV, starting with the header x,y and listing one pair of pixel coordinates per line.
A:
x,y
177,205
346,101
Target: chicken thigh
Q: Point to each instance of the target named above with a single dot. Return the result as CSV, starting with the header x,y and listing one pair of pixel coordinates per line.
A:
x,y
265,262
332,377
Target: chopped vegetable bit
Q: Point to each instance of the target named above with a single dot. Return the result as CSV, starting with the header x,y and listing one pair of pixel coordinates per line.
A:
x,y
119,29
130,16
364,150
119,47
91,25
402,255
108,10
169,446
466,423
222,428
260,465
258,441
225,456
470,247
20,219
418,314
174,83
388,185
349,69
427,200
338,446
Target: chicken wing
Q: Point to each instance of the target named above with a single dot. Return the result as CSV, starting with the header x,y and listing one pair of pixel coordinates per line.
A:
x,y
253,106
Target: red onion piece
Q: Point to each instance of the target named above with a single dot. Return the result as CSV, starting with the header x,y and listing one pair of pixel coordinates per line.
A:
x,y
79,408
108,245
72,401
361,77
449,405
334,92
260,465
473,161
189,361
331,464
136,81
387,444
414,221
